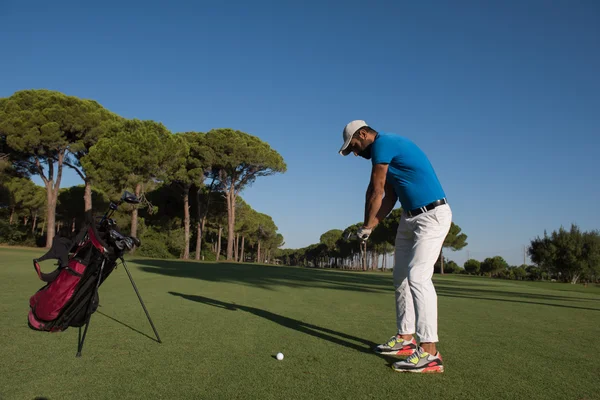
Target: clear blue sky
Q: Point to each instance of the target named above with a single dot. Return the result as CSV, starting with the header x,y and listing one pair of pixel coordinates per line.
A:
x,y
503,96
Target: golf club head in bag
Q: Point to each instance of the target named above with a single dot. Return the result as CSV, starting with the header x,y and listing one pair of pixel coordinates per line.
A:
x,y
130,198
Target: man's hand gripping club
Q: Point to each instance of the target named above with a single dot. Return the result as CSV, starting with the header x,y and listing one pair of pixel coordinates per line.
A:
x,y
363,233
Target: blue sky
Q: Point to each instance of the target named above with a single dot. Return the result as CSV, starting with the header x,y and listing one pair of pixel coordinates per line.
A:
x,y
504,97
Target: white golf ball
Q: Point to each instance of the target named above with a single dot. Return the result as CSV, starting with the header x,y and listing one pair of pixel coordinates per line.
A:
x,y
280,356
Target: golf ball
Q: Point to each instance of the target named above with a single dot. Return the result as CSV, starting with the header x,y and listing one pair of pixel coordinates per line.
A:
x,y
280,356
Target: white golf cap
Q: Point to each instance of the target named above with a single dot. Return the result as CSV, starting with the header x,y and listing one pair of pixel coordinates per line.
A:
x,y
349,131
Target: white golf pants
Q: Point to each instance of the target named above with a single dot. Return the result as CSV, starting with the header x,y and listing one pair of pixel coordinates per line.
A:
x,y
418,244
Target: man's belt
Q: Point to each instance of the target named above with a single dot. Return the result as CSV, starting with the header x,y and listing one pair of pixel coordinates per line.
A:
x,y
428,207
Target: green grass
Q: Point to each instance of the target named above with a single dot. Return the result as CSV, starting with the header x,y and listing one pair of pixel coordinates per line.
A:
x,y
222,324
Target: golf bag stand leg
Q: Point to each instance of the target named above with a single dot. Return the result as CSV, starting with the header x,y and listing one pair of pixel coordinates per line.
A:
x,y
141,301
88,315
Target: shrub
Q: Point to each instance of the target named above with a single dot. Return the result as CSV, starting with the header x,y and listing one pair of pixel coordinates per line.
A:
x,y
161,244
208,255
15,234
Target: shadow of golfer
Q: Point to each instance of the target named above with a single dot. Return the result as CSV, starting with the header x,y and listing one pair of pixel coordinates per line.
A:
x,y
332,336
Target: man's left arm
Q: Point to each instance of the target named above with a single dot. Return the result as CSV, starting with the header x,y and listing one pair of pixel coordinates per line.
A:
x,y
375,193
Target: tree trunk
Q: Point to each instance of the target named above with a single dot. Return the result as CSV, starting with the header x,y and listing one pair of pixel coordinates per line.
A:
x,y
219,243
186,221
236,247
202,216
51,226
25,218
442,261
12,216
364,258
87,196
199,226
258,253
134,214
230,221
52,187
50,215
242,252
35,215
73,225
198,240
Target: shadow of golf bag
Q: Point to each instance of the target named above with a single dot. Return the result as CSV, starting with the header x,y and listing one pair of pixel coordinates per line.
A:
x,y
70,295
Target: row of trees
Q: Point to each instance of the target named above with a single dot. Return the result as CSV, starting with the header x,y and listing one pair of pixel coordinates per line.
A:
x,y
335,250
564,255
42,132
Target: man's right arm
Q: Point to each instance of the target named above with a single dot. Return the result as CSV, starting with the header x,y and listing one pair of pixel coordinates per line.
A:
x,y
388,202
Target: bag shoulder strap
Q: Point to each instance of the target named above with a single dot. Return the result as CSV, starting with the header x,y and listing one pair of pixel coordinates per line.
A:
x,y
60,251
43,276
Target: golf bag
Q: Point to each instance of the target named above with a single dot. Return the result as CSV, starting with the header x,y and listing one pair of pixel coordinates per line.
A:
x,y
70,295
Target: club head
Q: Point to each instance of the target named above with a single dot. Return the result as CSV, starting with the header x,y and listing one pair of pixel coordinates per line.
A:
x,y
349,235
130,198
136,241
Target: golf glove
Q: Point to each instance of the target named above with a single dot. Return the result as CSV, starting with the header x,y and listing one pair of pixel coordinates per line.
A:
x,y
363,233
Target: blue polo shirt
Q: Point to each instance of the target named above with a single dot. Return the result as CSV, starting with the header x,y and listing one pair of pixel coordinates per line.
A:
x,y
410,172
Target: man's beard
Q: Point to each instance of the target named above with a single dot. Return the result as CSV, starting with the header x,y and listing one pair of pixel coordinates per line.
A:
x,y
366,153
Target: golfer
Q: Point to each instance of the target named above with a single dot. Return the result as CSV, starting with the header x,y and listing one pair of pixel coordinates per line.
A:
x,y
401,171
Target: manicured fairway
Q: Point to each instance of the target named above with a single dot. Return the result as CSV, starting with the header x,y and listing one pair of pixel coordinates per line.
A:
x,y
222,325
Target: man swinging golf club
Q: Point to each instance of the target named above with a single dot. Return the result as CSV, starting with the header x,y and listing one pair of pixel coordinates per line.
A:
x,y
401,171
